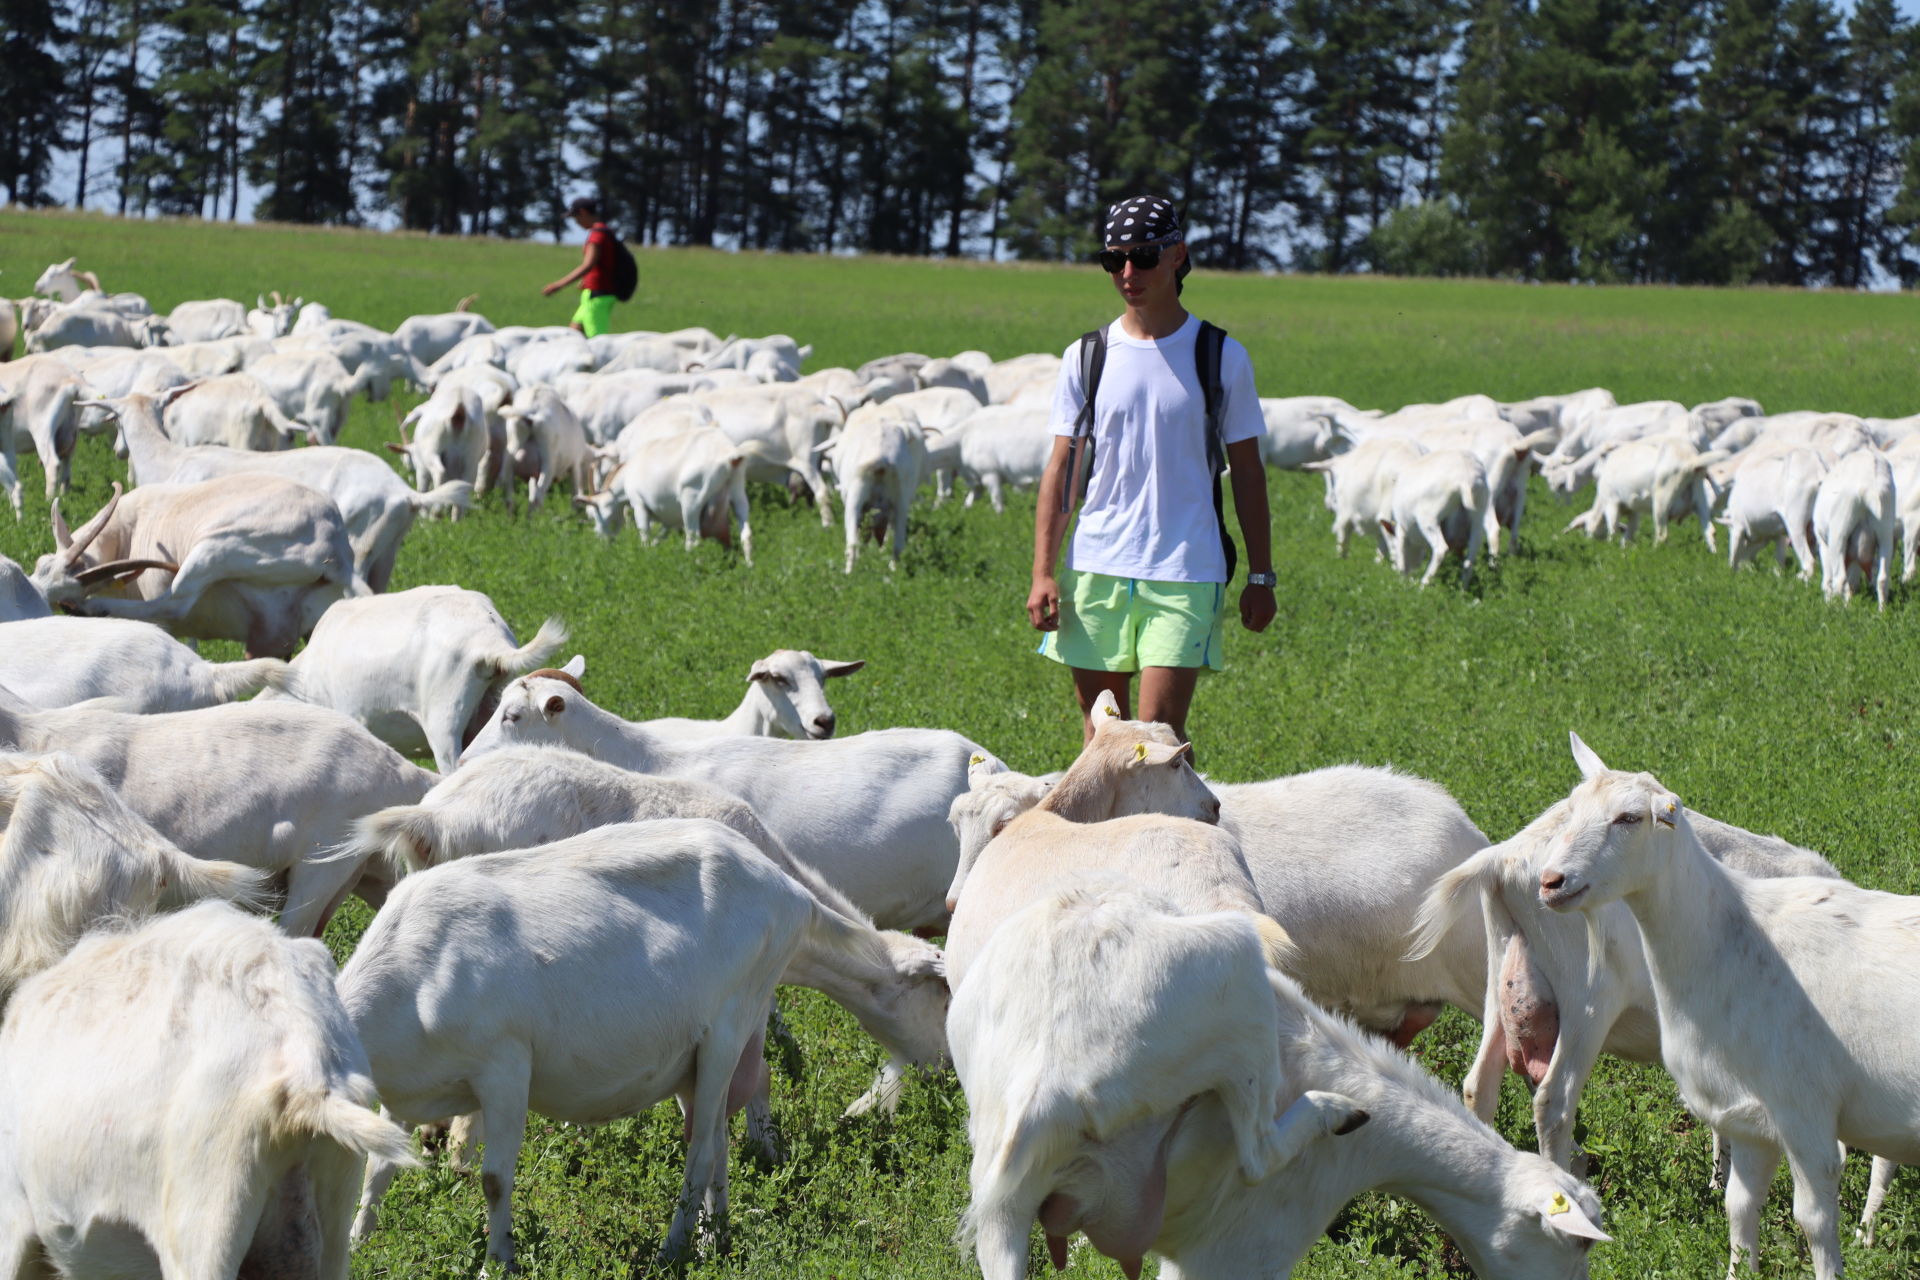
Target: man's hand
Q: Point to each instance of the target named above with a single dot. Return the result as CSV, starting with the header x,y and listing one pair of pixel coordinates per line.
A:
x,y
1043,604
550,290
1257,607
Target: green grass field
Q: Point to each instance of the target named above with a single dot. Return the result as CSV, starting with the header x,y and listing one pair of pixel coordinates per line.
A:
x,y
1747,694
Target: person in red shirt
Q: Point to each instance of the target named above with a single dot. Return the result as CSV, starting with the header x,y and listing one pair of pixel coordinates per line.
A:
x,y
595,273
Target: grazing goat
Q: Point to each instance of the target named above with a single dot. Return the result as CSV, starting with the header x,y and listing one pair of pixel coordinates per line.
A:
x,y
1090,1024
584,980
242,557
867,811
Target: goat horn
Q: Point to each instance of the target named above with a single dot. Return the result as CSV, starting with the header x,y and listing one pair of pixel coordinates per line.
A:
x,y
78,544
277,300
121,568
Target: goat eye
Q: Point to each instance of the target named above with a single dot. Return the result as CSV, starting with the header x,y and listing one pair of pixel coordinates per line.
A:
x,y
555,705
1626,820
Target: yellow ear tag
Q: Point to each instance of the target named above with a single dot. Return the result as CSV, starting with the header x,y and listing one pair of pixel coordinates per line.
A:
x,y
1558,1205
1665,816
1140,751
1113,711
976,760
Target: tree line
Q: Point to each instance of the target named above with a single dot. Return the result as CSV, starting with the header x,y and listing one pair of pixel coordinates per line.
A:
x,y
1710,141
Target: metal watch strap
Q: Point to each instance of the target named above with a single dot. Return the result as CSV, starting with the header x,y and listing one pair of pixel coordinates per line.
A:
x,y
1266,579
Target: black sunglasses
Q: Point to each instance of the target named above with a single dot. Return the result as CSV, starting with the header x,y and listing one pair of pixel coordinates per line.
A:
x,y
1115,261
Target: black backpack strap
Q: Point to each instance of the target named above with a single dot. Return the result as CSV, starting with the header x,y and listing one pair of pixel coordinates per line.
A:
x,y
1208,348
1093,360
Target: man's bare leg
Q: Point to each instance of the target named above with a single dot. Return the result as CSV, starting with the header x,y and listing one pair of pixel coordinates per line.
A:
x,y
1088,685
1165,695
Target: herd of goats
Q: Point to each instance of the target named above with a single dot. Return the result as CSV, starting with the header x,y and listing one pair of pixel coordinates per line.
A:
x,y
1177,1009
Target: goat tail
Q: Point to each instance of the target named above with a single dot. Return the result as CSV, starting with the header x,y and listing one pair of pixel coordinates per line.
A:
x,y
454,495
756,450
534,653
189,879
404,836
1276,944
1447,900
235,680
340,1115
997,1222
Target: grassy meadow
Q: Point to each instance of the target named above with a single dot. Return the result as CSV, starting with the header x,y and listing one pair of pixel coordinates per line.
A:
x,y
1746,693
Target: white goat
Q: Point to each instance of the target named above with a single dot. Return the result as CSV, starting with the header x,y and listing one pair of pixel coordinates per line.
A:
x,y
584,980
273,785
422,669
1440,500
72,855
1360,488
518,797
691,480
544,442
1341,858
1513,1214
1090,1024
207,320
1554,1004
376,504
1772,501
1662,474
786,698
233,409
58,661
1854,521
879,461
20,599
223,1094
427,338
867,811
259,558
1799,1046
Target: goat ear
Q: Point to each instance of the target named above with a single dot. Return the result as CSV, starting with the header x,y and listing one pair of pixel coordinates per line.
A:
x,y
1560,1213
576,666
833,669
1590,764
759,671
1663,807
980,767
1000,821
1106,706
1150,753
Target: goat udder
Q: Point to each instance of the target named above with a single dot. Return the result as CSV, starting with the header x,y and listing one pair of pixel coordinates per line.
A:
x,y
1528,1012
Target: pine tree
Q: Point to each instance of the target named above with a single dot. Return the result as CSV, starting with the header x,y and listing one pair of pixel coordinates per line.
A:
x,y
33,84
1865,243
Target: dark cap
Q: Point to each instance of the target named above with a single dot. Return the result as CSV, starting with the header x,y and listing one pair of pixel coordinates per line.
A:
x,y
1142,220
587,205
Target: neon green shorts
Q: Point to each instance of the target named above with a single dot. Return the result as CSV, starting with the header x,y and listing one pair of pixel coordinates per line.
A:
x,y
595,313
1124,624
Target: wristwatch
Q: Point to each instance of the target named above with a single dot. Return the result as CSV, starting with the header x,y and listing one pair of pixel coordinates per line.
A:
x,y
1266,579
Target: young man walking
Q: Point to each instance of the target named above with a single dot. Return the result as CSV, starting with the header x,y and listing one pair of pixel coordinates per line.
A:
x,y
595,272
1144,587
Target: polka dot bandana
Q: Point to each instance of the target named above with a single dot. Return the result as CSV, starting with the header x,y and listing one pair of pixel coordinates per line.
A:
x,y
1142,220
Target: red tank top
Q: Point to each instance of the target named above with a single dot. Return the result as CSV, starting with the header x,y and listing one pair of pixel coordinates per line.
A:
x,y
600,278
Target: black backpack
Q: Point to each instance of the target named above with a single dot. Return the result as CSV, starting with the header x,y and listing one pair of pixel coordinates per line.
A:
x,y
626,272
1207,347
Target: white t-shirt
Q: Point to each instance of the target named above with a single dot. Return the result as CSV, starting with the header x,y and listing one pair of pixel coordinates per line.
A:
x,y
1148,511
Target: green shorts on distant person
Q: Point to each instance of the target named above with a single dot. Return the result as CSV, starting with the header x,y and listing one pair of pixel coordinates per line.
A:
x,y
1124,624
595,313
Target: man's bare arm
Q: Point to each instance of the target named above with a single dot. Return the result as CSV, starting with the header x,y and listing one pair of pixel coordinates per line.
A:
x,y
1249,477
1049,530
